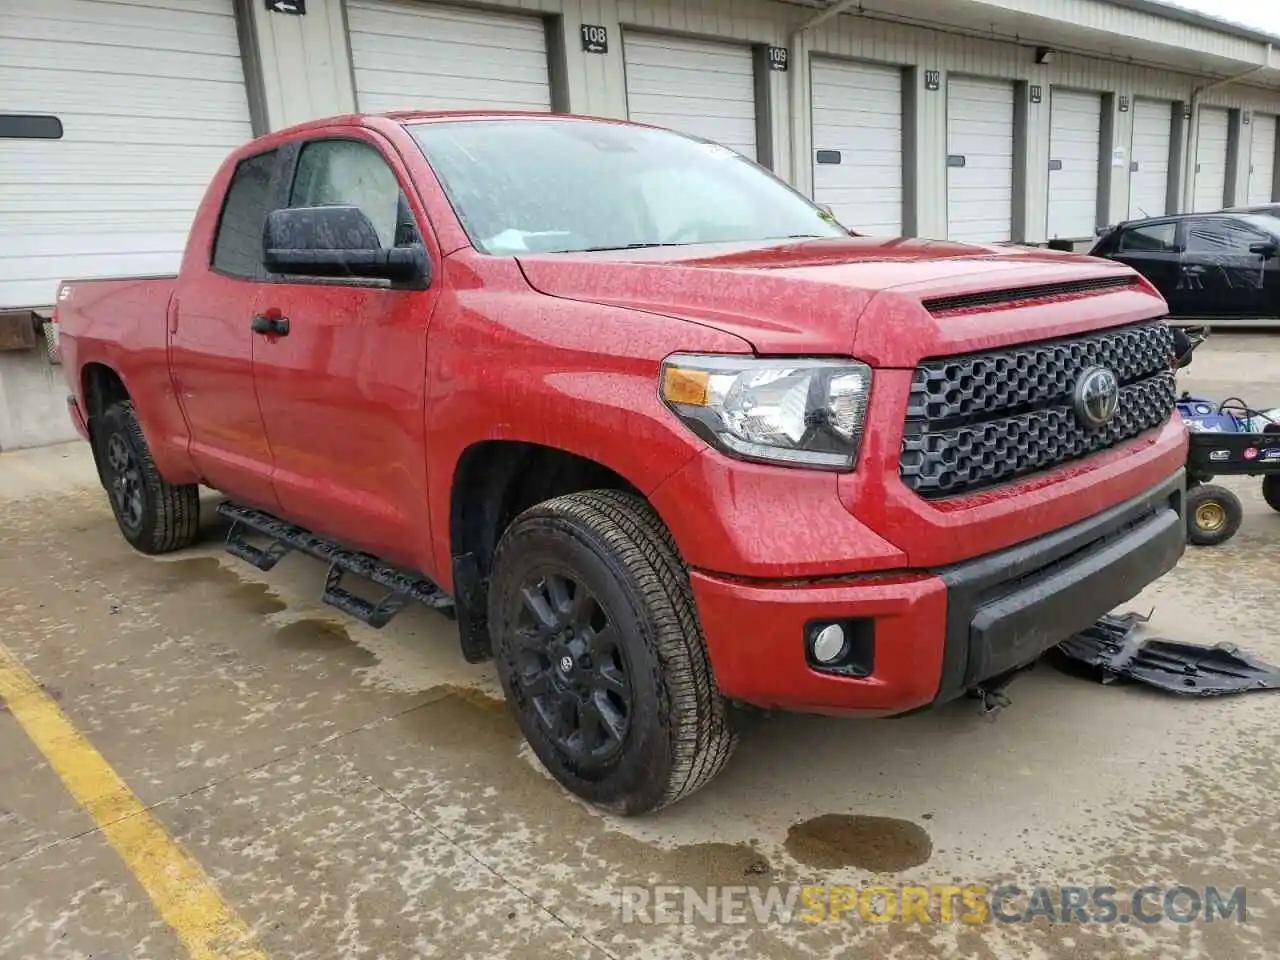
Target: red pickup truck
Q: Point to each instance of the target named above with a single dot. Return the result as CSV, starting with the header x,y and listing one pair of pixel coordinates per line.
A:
x,y
658,432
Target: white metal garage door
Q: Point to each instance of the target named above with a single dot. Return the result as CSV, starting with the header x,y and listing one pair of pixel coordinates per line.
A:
x,y
151,99
701,87
857,141
979,159
1262,158
1149,151
1075,136
1211,160
409,55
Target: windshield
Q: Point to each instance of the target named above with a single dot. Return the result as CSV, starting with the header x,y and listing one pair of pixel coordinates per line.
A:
x,y
553,186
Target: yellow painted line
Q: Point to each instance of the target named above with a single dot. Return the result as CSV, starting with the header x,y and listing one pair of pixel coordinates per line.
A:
x,y
183,894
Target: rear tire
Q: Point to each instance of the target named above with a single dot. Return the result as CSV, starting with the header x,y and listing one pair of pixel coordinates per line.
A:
x,y
1271,491
154,516
599,650
1214,515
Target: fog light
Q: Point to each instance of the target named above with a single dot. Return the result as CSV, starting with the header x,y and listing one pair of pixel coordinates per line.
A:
x,y
828,643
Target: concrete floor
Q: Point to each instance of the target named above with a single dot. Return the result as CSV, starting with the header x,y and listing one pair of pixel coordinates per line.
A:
x,y
355,793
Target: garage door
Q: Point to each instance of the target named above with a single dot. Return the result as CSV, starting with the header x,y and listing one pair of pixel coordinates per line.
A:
x,y
1262,158
857,140
151,99
1149,151
979,160
1075,135
1211,160
700,87
410,55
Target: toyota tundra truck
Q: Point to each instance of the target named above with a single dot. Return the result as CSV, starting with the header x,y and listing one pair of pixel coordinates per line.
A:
x,y
659,434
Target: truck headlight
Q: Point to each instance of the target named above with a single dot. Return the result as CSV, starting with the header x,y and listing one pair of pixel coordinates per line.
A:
x,y
790,411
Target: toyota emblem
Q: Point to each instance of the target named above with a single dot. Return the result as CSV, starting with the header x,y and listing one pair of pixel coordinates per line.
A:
x,y
1096,397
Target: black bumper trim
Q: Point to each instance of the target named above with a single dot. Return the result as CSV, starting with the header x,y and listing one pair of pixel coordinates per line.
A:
x,y
1006,608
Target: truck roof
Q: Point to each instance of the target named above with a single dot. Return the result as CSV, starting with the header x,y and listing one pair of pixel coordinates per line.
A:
x,y
437,116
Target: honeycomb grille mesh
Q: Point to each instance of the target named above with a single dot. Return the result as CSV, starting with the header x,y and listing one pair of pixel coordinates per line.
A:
x,y
978,420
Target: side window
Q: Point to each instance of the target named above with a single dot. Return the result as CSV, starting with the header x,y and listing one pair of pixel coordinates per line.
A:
x,y
1151,238
1222,237
237,247
350,172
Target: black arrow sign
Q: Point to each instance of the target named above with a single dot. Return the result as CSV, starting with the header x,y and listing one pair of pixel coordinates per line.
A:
x,y
295,7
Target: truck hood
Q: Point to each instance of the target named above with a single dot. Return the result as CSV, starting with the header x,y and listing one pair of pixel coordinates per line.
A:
x,y
804,297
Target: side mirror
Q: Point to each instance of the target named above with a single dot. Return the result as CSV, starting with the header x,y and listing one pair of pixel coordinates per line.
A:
x,y
1265,249
336,241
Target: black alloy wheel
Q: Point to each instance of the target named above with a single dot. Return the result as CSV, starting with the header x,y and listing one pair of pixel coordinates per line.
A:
x,y
568,662
126,485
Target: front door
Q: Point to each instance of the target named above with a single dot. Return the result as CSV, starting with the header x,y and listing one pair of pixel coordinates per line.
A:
x,y
1223,274
211,347
343,392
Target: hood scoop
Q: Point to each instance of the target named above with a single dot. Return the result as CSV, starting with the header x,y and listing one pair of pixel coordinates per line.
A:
x,y
1020,296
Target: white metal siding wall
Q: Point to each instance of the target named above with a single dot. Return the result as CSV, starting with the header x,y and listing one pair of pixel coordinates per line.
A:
x,y
1211,160
1151,143
408,55
857,111
1075,135
1262,158
152,99
701,87
980,129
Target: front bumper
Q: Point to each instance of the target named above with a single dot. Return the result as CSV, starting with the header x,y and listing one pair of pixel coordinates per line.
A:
x,y
939,632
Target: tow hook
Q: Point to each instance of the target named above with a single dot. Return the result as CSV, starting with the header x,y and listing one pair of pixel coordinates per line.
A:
x,y
991,695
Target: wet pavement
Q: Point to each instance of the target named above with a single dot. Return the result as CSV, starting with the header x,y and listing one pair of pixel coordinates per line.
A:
x,y
359,793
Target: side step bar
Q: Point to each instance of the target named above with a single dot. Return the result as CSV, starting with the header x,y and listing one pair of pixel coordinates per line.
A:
x,y
402,586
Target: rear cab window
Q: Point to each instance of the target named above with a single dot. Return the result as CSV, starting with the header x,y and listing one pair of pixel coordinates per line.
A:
x,y
237,246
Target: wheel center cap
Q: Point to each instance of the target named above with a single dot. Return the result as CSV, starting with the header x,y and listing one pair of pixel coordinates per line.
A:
x,y
566,664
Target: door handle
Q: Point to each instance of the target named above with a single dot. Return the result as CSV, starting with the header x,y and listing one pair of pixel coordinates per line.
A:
x,y
1194,269
271,326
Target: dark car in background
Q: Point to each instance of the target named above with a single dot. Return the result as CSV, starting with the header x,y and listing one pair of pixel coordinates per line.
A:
x,y
1207,266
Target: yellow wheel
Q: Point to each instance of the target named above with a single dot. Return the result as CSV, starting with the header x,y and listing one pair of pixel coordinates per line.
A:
x,y
1210,516
1213,515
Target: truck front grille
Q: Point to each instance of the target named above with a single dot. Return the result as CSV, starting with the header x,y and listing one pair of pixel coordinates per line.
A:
x,y
981,419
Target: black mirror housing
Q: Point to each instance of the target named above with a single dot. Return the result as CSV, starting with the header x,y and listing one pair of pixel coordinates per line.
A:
x,y
1266,248
337,241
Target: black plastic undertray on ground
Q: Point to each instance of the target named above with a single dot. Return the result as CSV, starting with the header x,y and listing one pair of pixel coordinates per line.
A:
x,y
1113,650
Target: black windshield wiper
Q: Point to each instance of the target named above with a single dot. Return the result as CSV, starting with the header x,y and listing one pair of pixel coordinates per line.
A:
x,y
626,246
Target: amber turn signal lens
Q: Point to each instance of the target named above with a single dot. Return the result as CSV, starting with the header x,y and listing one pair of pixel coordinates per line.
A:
x,y
685,387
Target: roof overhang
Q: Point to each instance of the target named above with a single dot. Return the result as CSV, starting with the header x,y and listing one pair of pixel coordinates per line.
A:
x,y
1142,32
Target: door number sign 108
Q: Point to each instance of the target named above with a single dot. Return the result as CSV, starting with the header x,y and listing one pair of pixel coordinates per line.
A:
x,y
595,39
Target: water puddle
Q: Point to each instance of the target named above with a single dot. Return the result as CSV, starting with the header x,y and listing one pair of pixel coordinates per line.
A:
x,y
878,844
253,598
325,638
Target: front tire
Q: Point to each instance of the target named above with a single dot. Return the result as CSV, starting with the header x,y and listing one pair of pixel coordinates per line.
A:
x,y
1214,515
154,516
599,650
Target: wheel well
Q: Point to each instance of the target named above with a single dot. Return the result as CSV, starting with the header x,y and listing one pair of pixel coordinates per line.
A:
x,y
102,387
494,482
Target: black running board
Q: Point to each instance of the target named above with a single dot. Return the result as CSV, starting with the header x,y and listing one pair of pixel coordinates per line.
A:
x,y
402,586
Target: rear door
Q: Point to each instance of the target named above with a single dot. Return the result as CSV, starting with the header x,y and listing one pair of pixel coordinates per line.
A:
x,y
1152,250
211,348
342,393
